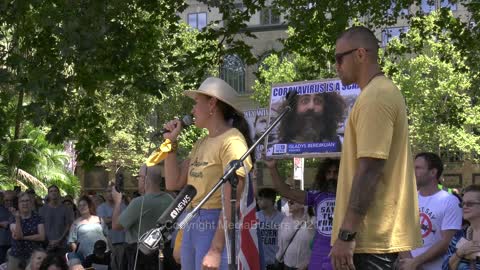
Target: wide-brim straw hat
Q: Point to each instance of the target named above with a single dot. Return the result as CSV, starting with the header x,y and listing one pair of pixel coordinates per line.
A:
x,y
219,89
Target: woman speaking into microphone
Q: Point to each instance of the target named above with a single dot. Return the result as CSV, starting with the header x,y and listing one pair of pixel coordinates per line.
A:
x,y
216,109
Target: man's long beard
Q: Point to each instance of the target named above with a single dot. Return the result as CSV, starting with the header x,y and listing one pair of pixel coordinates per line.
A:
x,y
309,127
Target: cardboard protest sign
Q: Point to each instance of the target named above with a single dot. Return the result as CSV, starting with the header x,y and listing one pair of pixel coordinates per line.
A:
x,y
315,125
258,121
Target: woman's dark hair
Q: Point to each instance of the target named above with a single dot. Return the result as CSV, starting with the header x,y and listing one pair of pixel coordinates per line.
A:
x,y
35,251
73,204
54,259
239,122
53,186
91,205
268,193
101,197
320,182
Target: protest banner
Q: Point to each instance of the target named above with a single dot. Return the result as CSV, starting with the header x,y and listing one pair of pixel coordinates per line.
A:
x,y
298,171
315,126
258,122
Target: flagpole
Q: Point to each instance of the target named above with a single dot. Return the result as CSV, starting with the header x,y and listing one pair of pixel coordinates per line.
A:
x,y
230,176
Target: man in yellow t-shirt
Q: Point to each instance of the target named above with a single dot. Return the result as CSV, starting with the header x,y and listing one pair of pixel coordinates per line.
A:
x,y
376,211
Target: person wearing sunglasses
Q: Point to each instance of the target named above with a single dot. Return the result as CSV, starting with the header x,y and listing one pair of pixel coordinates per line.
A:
x,y
464,249
376,208
440,215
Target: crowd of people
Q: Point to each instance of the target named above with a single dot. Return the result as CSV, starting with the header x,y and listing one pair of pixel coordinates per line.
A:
x,y
448,221
377,207
85,234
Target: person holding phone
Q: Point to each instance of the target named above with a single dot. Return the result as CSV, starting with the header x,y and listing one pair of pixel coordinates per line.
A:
x,y
116,238
140,216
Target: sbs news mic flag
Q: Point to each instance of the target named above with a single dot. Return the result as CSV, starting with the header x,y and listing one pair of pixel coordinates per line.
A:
x,y
249,249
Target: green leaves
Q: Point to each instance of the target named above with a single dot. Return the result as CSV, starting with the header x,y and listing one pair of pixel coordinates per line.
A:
x,y
84,66
437,84
37,165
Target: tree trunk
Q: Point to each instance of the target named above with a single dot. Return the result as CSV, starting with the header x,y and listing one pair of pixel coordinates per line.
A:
x,y
19,115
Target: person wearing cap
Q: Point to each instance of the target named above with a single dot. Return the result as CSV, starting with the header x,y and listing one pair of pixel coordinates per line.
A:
x,y
217,110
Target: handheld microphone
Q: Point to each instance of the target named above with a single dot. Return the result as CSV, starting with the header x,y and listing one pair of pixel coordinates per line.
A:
x,y
186,121
149,241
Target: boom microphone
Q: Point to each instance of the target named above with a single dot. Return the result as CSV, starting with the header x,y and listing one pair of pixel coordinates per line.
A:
x,y
186,121
149,241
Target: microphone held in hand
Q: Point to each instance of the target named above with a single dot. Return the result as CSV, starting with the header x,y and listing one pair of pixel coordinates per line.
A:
x,y
187,120
149,241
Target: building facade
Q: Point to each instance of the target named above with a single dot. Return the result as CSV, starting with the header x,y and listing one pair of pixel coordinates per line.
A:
x,y
270,28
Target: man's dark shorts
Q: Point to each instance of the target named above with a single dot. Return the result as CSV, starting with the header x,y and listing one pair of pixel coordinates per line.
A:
x,y
365,261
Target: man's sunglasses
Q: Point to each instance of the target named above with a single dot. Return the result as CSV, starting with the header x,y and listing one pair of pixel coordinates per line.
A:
x,y
339,56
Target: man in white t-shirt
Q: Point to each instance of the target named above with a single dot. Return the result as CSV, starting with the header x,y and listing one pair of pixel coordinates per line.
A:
x,y
440,215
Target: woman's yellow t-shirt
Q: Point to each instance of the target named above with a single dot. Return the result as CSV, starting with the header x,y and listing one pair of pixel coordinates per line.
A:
x,y
208,160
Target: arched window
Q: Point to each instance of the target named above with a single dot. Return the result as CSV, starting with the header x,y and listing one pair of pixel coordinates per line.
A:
x,y
233,72
261,60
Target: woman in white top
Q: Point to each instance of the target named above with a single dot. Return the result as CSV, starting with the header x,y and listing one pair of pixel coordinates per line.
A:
x,y
294,248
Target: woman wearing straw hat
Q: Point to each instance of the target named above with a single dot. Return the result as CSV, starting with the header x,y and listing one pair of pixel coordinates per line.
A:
x,y
216,109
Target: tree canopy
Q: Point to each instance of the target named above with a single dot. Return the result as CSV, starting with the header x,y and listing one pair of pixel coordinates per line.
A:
x,y
107,74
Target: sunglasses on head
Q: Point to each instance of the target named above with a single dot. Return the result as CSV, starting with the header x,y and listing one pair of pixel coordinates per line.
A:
x,y
339,56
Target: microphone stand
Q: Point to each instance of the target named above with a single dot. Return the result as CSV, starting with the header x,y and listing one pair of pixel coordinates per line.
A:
x,y
156,239
230,176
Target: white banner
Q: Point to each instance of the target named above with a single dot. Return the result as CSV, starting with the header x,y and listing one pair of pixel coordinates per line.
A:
x,y
298,170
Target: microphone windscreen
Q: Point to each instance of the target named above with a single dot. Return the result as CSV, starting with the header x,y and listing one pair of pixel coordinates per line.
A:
x,y
178,205
187,120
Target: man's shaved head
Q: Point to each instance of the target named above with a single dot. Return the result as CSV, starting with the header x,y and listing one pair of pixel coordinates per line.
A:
x,y
361,37
154,174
